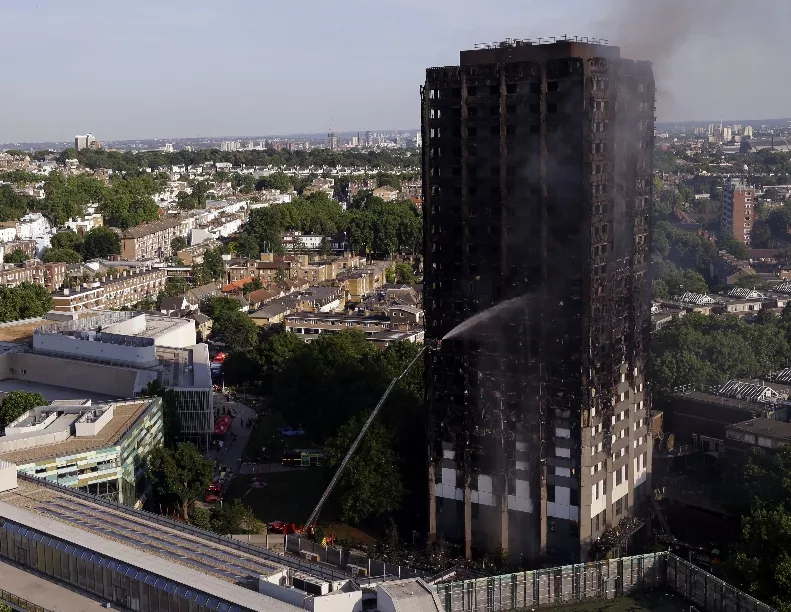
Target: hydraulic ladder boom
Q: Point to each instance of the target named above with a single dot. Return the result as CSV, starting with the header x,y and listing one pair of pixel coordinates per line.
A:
x,y
315,514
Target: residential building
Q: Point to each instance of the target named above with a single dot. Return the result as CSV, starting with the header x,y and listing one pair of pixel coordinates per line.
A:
x,y
85,141
48,275
261,296
295,241
699,419
29,226
149,240
272,270
738,210
196,295
768,434
132,287
98,448
315,273
537,194
124,289
387,193
379,330
363,281
273,312
239,268
194,254
725,268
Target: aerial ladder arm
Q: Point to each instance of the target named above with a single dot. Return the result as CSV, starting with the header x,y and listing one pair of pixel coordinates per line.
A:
x,y
315,514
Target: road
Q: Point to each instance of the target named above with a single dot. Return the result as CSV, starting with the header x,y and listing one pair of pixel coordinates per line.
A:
x,y
231,455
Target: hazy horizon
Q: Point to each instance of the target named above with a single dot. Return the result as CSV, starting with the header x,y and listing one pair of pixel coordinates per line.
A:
x,y
178,69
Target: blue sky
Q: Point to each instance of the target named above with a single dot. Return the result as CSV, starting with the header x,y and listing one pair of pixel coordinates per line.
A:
x,y
167,68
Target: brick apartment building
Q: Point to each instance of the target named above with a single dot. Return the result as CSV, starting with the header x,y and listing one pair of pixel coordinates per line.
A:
x,y
738,210
49,275
125,290
149,240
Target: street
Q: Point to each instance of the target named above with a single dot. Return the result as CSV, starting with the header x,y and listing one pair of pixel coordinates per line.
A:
x,y
231,454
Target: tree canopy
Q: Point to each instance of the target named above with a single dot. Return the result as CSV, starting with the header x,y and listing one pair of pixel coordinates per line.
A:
x,y
761,560
371,483
705,350
100,242
372,225
24,301
17,403
348,376
179,477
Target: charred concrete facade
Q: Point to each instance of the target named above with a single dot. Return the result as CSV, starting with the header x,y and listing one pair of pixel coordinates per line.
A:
x,y
537,170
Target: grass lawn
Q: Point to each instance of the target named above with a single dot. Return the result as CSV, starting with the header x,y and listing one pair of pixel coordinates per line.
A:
x,y
652,601
289,496
267,445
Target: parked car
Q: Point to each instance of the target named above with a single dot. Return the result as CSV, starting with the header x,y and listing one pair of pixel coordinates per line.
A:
x,y
213,497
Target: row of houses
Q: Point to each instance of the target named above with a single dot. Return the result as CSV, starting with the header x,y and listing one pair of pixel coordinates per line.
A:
x,y
126,288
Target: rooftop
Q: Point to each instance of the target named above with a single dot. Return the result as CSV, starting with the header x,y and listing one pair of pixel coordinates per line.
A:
x,y
19,331
124,415
765,427
128,541
150,228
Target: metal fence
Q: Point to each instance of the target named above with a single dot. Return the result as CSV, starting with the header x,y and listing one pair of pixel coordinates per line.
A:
x,y
708,592
19,603
375,570
595,581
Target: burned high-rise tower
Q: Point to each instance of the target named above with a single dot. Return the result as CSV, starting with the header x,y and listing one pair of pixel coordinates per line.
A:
x,y
537,170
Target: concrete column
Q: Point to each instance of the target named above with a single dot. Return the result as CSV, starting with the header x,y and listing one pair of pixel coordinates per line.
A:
x,y
467,518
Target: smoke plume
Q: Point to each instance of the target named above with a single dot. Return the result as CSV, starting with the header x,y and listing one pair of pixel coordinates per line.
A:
x,y
699,46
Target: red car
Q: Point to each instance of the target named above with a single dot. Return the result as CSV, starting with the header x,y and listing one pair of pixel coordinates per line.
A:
x,y
213,497
214,487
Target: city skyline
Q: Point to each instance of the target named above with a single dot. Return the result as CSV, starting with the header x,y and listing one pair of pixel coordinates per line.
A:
x,y
184,69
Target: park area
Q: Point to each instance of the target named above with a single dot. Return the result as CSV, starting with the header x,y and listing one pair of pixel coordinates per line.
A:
x,y
288,494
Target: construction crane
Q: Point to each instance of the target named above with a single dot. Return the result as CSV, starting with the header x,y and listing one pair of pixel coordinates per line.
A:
x,y
315,514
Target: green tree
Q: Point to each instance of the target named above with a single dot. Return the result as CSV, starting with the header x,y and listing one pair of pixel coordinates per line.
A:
x,y
326,248
17,256
62,255
201,518
100,242
761,560
179,243
175,286
404,274
217,305
66,240
371,483
235,329
276,180
179,477
735,248
26,300
253,285
761,236
750,281
235,518
17,403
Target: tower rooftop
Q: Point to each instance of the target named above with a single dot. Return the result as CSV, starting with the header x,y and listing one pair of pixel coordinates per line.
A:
x,y
540,50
